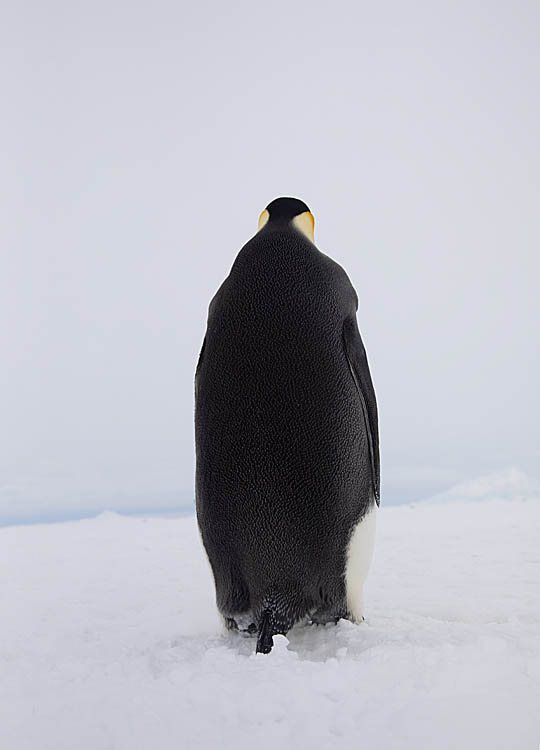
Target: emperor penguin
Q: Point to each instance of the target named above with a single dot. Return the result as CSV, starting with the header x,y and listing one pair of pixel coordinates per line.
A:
x,y
286,433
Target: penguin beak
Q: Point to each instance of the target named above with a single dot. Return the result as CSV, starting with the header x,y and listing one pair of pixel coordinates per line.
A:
x,y
263,218
305,223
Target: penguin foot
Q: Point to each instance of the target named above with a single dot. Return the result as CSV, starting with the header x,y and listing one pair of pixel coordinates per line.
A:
x,y
323,617
241,623
248,632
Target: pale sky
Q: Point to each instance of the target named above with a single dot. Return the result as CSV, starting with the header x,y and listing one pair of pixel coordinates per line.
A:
x,y
140,143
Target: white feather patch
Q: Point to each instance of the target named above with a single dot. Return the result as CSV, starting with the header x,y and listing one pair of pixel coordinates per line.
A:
x,y
305,223
359,554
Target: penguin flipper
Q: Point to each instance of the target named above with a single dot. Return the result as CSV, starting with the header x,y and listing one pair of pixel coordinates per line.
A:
x,y
358,364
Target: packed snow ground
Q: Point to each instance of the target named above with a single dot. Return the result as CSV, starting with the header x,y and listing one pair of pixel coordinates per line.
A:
x,y
110,639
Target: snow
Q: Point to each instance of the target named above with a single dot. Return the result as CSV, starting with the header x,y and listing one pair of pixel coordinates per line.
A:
x,y
508,484
110,639
50,494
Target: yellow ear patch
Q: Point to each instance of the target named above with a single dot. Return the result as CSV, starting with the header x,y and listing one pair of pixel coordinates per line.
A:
x,y
263,218
305,223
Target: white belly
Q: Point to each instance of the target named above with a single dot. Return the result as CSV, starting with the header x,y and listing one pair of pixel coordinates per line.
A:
x,y
359,554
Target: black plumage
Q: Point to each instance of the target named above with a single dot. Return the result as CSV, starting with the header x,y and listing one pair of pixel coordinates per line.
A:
x,y
286,432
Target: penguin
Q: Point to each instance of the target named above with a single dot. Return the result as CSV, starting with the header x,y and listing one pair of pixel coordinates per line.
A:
x,y
286,435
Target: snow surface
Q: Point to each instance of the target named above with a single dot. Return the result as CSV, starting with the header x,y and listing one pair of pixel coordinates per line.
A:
x,y
508,484
110,639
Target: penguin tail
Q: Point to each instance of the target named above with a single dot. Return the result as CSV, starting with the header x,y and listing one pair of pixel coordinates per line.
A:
x,y
265,640
281,609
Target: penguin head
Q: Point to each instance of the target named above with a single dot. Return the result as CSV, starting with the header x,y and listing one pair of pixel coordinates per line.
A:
x,y
288,212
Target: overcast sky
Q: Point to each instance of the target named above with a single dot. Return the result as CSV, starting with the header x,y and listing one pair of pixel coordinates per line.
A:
x,y
141,141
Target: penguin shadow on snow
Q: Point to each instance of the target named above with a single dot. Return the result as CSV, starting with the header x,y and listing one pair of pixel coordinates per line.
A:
x,y
306,641
310,641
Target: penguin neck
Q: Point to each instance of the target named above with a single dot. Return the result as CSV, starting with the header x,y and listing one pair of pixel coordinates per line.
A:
x,y
295,226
